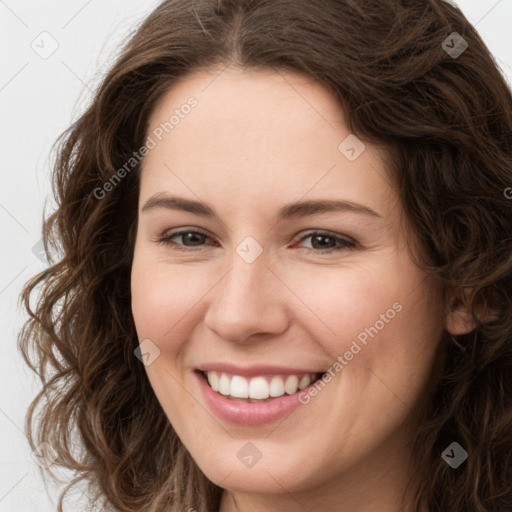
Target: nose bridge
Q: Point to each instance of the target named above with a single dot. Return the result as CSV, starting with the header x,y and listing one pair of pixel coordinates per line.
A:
x,y
246,285
248,275
246,300
245,280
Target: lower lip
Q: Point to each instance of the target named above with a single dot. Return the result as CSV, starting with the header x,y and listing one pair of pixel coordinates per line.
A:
x,y
248,413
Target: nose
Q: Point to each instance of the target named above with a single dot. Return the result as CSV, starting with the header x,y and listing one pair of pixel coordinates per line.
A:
x,y
249,300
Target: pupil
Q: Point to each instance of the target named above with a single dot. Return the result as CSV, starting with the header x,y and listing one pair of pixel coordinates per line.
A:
x,y
321,237
190,237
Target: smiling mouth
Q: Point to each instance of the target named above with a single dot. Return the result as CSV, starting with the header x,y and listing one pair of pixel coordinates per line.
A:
x,y
262,388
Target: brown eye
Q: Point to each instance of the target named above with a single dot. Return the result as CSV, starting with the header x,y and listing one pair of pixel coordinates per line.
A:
x,y
187,239
325,242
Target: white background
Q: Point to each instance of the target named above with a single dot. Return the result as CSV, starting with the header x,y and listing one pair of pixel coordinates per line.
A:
x,y
38,99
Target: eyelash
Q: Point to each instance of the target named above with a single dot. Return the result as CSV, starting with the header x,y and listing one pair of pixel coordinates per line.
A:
x,y
346,244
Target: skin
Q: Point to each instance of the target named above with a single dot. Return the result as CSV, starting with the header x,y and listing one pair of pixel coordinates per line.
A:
x,y
256,141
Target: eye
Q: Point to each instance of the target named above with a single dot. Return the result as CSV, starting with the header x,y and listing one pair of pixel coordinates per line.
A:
x,y
326,242
321,241
190,239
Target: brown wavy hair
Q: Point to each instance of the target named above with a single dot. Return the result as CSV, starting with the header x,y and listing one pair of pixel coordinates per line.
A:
x,y
445,124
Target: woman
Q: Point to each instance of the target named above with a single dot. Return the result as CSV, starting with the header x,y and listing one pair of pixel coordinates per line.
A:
x,y
286,265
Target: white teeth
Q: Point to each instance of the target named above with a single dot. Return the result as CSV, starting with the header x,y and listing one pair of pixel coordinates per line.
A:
x,y
224,384
292,384
239,387
276,387
213,380
304,382
258,388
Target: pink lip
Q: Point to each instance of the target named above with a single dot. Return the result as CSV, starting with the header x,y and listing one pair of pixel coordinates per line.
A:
x,y
247,413
254,371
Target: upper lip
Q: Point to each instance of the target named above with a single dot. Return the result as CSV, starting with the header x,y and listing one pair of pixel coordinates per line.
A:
x,y
254,370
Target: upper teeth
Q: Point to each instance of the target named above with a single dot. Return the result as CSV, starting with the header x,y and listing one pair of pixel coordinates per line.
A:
x,y
257,387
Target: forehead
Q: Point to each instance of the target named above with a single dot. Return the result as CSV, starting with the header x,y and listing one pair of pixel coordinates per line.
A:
x,y
260,134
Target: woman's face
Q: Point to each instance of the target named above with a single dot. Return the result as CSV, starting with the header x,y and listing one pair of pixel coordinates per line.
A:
x,y
285,257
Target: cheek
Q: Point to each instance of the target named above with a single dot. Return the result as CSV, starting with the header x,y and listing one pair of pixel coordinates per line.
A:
x,y
381,323
342,303
163,295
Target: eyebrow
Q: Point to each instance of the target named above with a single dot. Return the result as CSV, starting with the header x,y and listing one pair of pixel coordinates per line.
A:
x,y
290,211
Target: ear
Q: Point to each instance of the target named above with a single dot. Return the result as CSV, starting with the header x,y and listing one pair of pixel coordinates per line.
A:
x,y
459,319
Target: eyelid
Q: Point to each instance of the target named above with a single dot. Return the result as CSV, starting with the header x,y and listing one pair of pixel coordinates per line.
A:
x,y
343,243
165,237
324,232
